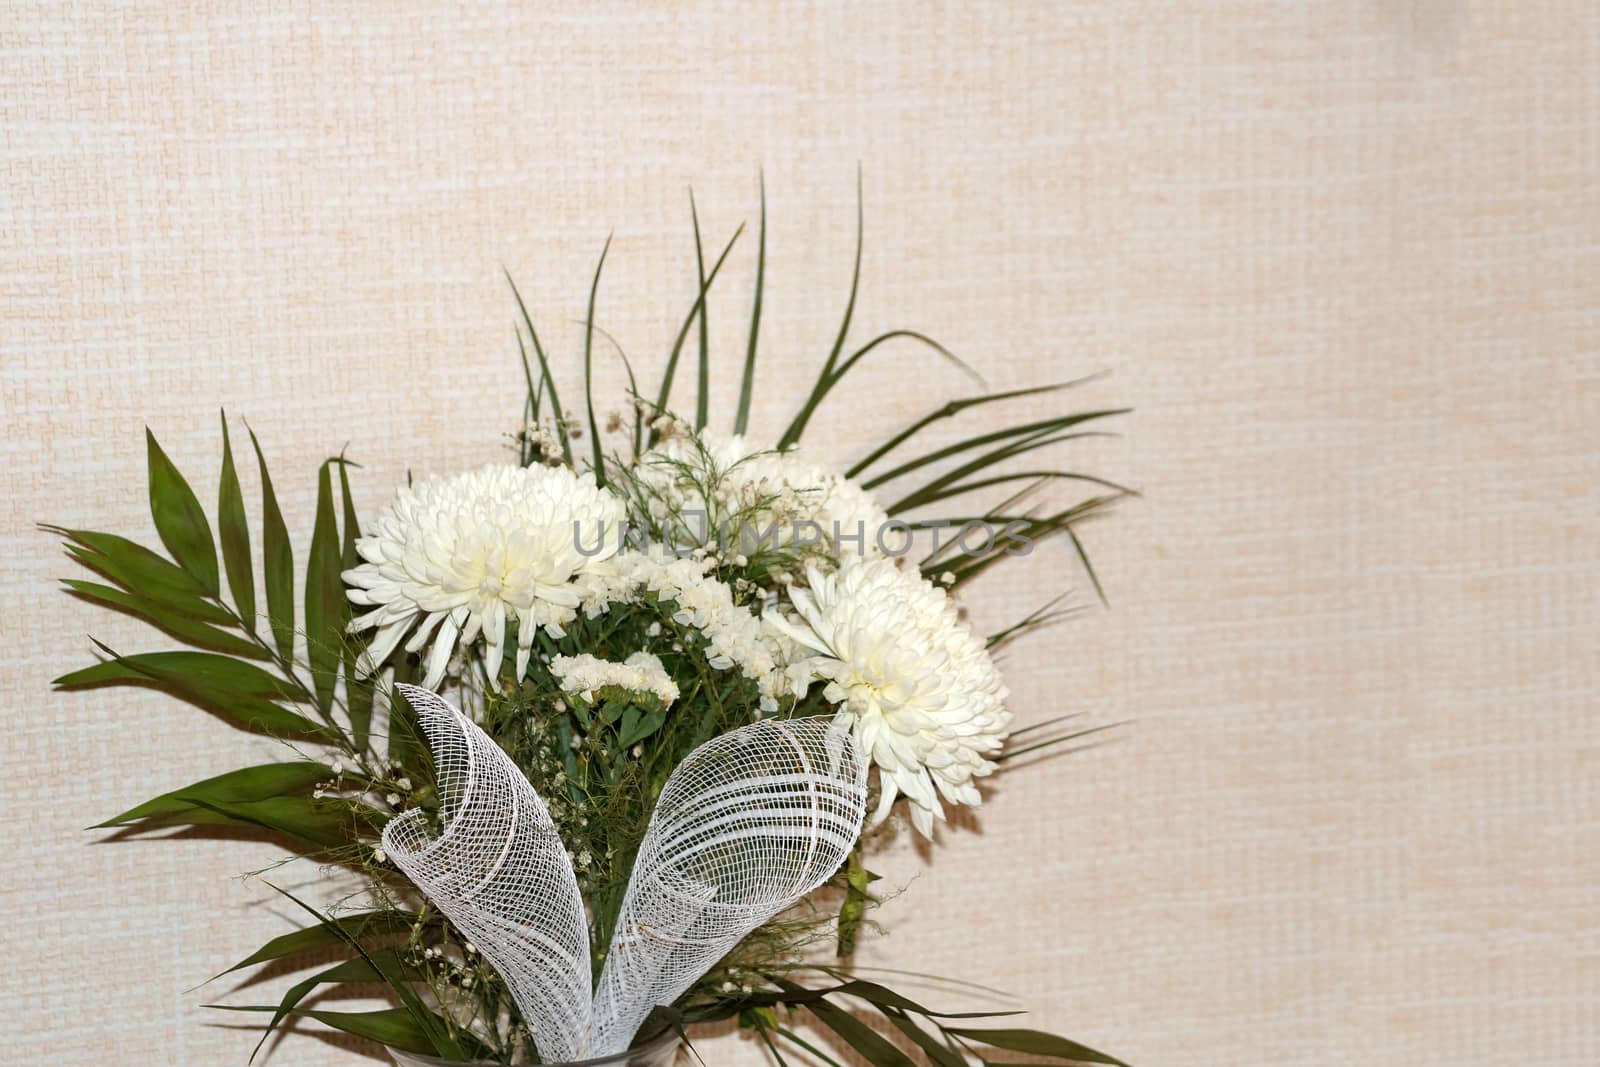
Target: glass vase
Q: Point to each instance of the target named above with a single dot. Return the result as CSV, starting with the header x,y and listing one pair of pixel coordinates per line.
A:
x,y
659,1051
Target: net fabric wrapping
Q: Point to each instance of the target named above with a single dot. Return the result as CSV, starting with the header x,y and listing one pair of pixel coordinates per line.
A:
x,y
500,873
747,825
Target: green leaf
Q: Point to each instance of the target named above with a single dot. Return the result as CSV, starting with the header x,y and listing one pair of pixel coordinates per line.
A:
x,y
874,1047
234,531
1037,1043
530,406
703,391
802,1043
826,383
163,618
243,711
223,674
142,572
366,969
747,386
940,1053
667,375
544,369
947,484
1027,437
277,562
798,426
359,692
394,1027
950,411
244,784
588,369
324,824
179,518
325,599
638,725
440,1037
406,746
330,932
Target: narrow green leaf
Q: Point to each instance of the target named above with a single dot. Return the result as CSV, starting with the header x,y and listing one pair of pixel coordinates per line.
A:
x,y
1083,558
703,394
941,1054
179,519
142,572
530,406
244,784
245,712
277,562
223,674
1028,431
872,992
747,386
877,1049
359,692
803,1044
943,490
588,370
825,385
671,370
546,378
394,1027
405,744
1015,541
1043,439
1034,620
163,618
233,529
441,1037
798,425
323,824
325,597
950,411
330,932
752,1020
1059,739
356,970
1038,1043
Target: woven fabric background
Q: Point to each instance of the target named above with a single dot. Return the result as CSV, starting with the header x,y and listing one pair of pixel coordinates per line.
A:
x,y
1341,257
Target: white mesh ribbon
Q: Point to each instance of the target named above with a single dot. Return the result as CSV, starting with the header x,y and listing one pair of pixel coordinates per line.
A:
x,y
747,825
501,875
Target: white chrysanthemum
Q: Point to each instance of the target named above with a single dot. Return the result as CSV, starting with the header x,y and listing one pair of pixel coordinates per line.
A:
x,y
918,688
455,558
764,488
641,672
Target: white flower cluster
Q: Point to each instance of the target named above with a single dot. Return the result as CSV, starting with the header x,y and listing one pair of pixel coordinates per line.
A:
x,y
639,673
735,636
920,690
765,489
455,558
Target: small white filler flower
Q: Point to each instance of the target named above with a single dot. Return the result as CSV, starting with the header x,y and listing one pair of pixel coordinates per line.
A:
x,y
919,690
641,672
456,558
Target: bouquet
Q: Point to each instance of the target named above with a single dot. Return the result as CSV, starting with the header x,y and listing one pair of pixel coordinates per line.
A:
x,y
607,733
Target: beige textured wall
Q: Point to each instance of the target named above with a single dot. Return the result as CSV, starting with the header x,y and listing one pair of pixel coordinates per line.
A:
x,y
1341,257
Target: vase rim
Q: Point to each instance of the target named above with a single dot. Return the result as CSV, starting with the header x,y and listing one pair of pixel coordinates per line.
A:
x,y
660,1041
